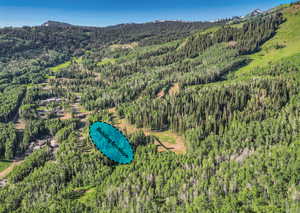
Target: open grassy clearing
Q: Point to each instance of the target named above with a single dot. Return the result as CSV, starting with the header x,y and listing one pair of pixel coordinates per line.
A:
x,y
124,46
60,66
239,25
4,164
50,77
209,30
106,61
64,65
173,141
284,44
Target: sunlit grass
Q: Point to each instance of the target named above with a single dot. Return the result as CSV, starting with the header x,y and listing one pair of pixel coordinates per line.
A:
x,y
106,61
88,196
4,164
287,36
164,136
65,64
60,66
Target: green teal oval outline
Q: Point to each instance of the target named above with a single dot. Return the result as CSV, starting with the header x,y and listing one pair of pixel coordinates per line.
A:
x,y
111,142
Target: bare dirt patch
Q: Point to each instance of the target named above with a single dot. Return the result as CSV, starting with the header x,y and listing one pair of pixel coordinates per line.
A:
x,y
20,124
160,94
179,146
294,9
242,156
98,76
66,116
112,110
232,43
79,112
125,46
174,89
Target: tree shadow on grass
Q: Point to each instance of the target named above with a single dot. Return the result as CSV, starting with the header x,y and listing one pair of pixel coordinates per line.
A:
x,y
5,161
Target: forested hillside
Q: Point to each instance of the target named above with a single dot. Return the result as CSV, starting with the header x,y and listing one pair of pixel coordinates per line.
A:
x,y
74,40
211,109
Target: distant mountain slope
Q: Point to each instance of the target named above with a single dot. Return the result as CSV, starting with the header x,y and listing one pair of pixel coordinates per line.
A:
x,y
56,24
255,12
71,39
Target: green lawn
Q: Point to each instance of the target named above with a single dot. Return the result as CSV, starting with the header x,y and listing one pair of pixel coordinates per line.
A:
x,y
4,164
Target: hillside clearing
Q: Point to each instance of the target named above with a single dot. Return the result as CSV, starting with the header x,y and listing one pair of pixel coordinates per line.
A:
x,y
60,66
174,89
106,61
125,46
285,43
171,140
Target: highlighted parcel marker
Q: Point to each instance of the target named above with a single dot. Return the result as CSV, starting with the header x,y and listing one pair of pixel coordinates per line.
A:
x,y
111,142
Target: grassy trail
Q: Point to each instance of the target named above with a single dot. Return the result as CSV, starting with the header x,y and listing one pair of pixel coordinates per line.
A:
x,y
12,165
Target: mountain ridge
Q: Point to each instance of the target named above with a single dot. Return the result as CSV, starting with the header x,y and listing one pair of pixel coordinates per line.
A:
x,y
51,23
56,24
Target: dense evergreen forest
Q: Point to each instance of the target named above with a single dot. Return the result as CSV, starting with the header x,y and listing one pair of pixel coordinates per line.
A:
x,y
229,91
